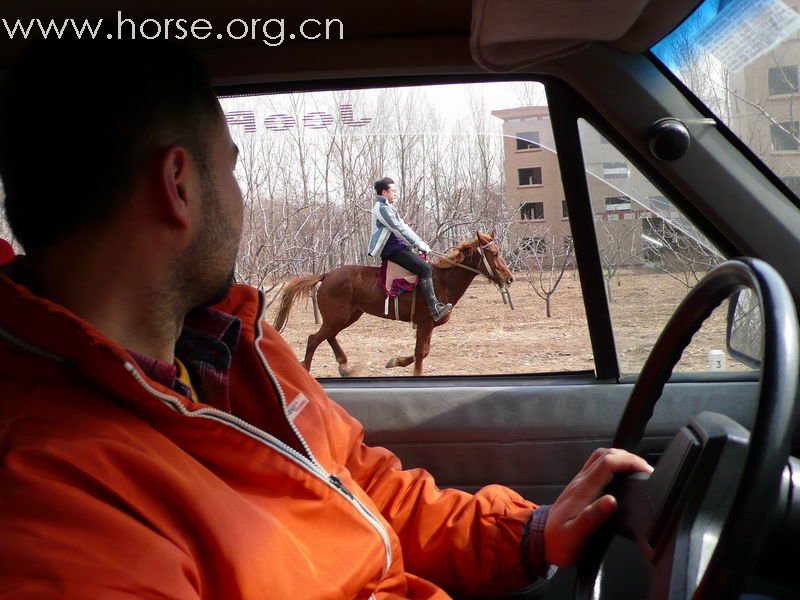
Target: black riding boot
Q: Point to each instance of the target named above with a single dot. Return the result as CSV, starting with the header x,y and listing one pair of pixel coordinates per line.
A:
x,y
438,309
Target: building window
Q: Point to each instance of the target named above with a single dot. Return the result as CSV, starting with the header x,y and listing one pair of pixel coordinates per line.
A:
x,y
528,140
532,211
615,170
530,176
564,210
784,136
618,203
793,183
534,245
783,80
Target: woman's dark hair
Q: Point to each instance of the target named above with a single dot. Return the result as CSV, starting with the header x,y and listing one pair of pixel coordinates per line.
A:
x,y
78,119
383,184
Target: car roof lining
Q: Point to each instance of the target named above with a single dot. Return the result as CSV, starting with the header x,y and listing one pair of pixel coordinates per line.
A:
x,y
506,38
423,38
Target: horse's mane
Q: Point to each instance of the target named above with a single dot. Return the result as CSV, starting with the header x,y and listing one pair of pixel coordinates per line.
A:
x,y
457,254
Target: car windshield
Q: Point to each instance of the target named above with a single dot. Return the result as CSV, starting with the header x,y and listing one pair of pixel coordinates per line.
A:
x,y
740,57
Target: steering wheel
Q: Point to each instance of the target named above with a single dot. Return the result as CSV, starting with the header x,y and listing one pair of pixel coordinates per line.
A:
x,y
701,517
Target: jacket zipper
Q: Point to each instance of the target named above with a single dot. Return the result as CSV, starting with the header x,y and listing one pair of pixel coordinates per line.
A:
x,y
309,463
332,479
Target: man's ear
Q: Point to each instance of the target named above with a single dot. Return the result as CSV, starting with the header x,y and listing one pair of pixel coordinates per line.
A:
x,y
175,168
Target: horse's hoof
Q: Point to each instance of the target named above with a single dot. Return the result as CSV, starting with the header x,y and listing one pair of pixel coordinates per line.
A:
x,y
346,371
392,362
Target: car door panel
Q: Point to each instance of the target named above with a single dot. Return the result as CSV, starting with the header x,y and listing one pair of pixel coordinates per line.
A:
x,y
533,438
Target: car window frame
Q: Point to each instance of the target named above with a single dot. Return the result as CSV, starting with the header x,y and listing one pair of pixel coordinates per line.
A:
x,y
567,106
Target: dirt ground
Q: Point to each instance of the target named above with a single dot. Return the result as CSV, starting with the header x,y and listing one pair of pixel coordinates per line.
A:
x,y
484,336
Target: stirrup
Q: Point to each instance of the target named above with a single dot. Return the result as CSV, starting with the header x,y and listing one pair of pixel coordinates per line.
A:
x,y
440,310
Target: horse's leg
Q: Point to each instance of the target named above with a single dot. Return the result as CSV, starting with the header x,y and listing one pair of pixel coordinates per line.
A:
x,y
404,361
314,340
341,357
399,361
422,349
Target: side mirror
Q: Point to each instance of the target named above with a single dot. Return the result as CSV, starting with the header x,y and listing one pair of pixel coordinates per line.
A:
x,y
745,334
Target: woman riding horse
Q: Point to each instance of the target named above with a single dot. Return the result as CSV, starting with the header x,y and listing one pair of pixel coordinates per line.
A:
x,y
392,239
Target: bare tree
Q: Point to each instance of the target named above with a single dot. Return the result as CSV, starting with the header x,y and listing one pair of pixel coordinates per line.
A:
x,y
686,256
307,179
620,243
530,93
545,264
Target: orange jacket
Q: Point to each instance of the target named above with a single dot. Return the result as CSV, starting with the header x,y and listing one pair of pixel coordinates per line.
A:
x,y
113,486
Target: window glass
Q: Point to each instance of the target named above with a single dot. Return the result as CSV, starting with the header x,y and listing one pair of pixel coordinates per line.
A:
x,y
740,58
784,135
528,140
651,257
532,210
782,80
530,176
618,203
463,158
615,170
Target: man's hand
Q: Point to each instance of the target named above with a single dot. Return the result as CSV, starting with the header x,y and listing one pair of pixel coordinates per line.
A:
x,y
578,512
423,247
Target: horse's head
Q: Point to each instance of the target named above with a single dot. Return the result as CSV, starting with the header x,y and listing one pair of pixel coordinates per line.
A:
x,y
493,265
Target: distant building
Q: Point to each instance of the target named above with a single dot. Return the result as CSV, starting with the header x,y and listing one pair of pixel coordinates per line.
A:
x,y
764,107
621,196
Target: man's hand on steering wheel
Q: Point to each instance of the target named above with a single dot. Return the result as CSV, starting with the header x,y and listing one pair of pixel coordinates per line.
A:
x,y
720,491
580,509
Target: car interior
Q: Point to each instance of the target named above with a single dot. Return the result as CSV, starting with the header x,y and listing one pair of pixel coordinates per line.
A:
x,y
719,517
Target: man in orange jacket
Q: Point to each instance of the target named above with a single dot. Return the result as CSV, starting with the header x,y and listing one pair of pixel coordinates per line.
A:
x,y
154,446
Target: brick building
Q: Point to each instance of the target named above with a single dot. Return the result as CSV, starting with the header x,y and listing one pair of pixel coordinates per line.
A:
x,y
621,196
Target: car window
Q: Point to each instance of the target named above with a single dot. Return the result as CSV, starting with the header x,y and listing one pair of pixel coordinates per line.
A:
x,y
651,256
751,87
464,158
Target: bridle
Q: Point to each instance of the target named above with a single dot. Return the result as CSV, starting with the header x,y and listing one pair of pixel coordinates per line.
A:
x,y
504,291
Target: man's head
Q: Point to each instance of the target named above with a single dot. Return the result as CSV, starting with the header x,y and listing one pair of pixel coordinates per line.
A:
x,y
95,132
386,187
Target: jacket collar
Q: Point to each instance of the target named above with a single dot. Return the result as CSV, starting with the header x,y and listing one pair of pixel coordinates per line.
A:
x,y
41,329
379,198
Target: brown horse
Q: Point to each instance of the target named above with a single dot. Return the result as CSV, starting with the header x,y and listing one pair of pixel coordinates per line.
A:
x,y
350,291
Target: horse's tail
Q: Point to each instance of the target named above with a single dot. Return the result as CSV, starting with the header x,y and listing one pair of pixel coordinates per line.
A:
x,y
297,286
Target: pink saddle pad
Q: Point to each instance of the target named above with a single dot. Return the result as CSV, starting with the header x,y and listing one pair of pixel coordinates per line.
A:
x,y
395,279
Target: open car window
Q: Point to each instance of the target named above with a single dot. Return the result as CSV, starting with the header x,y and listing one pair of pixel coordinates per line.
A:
x,y
465,158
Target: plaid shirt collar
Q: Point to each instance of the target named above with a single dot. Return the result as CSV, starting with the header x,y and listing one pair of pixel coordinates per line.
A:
x,y
205,346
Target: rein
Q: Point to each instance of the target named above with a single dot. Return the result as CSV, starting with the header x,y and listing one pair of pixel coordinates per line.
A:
x,y
505,293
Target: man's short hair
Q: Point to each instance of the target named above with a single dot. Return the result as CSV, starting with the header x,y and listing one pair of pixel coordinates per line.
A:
x,y
78,119
383,184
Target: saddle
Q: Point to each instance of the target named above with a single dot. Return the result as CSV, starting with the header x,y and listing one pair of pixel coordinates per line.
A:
x,y
395,280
